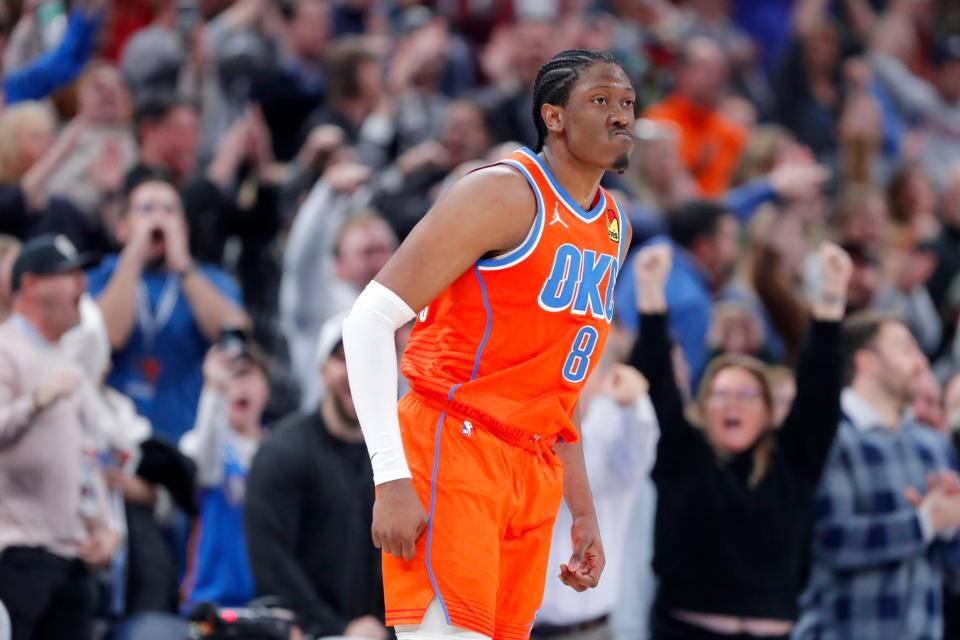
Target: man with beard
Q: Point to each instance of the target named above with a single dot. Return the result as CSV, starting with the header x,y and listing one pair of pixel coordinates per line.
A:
x,y
888,508
162,309
308,511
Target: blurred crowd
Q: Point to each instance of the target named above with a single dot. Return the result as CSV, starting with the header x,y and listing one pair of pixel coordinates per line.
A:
x,y
194,192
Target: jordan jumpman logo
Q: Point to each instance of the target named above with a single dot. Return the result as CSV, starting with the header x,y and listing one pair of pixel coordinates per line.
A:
x,y
556,217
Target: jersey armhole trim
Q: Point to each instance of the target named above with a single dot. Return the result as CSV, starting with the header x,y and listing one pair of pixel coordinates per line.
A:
x,y
623,230
518,254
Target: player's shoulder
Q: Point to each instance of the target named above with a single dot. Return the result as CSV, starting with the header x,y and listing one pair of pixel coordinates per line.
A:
x,y
498,186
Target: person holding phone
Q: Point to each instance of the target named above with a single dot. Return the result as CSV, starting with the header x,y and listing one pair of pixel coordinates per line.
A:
x,y
222,444
161,308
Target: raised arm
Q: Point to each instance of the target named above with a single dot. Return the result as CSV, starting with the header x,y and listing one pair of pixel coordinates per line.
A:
x,y
59,66
809,429
487,212
651,355
788,312
212,308
621,430
204,443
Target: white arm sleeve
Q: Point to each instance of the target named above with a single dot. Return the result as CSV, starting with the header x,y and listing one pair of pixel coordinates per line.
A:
x,y
371,352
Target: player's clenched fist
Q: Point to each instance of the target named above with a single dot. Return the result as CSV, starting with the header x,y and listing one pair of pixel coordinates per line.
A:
x,y
398,518
587,561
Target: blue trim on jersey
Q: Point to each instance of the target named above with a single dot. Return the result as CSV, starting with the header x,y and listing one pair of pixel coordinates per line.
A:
x,y
516,255
436,453
586,216
433,503
623,232
486,331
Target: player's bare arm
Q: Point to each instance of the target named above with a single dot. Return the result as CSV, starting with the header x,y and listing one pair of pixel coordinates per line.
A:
x,y
485,213
583,570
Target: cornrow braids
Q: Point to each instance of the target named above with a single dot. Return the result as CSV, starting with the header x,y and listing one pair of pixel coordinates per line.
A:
x,y
557,77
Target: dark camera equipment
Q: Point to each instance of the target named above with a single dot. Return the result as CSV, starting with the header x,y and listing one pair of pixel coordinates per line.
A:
x,y
257,622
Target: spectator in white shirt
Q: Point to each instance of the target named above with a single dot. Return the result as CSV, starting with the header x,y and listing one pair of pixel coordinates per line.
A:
x,y
620,435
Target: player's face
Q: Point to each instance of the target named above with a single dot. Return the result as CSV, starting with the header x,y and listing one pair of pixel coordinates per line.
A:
x,y
599,117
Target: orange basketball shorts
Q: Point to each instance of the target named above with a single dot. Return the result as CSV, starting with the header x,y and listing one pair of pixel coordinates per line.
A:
x,y
491,503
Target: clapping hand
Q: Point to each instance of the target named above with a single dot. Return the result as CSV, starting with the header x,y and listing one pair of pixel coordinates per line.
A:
x,y
941,502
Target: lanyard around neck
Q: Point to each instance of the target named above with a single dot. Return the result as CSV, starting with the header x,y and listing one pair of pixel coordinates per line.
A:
x,y
152,323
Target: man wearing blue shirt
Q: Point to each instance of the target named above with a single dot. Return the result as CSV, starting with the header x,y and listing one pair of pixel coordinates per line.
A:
x,y
162,310
705,239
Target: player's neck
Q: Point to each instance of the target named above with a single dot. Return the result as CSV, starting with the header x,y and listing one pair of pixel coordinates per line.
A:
x,y
579,180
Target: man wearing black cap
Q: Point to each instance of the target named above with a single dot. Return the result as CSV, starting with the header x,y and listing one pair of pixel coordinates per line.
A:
x,y
54,519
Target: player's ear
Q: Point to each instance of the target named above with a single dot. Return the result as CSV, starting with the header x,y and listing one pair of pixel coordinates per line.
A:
x,y
552,116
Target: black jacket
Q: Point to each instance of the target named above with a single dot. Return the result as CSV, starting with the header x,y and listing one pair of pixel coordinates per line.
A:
x,y
722,545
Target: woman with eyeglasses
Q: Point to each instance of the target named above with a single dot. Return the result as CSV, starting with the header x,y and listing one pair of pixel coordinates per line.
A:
x,y
734,495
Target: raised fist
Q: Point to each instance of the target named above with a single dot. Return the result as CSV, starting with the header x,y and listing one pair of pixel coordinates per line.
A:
x,y
652,266
625,385
835,268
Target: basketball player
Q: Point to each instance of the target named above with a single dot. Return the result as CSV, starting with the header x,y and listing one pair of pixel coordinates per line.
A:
x,y
511,276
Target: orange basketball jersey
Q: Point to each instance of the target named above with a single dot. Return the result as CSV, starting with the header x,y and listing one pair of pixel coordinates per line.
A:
x,y
513,339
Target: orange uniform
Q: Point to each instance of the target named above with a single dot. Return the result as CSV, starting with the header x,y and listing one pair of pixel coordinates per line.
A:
x,y
496,364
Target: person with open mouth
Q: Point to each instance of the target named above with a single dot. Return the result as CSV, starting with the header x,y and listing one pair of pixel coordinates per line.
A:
x,y
227,434
735,495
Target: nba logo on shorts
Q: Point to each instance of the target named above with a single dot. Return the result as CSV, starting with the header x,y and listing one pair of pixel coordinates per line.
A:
x,y
467,428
